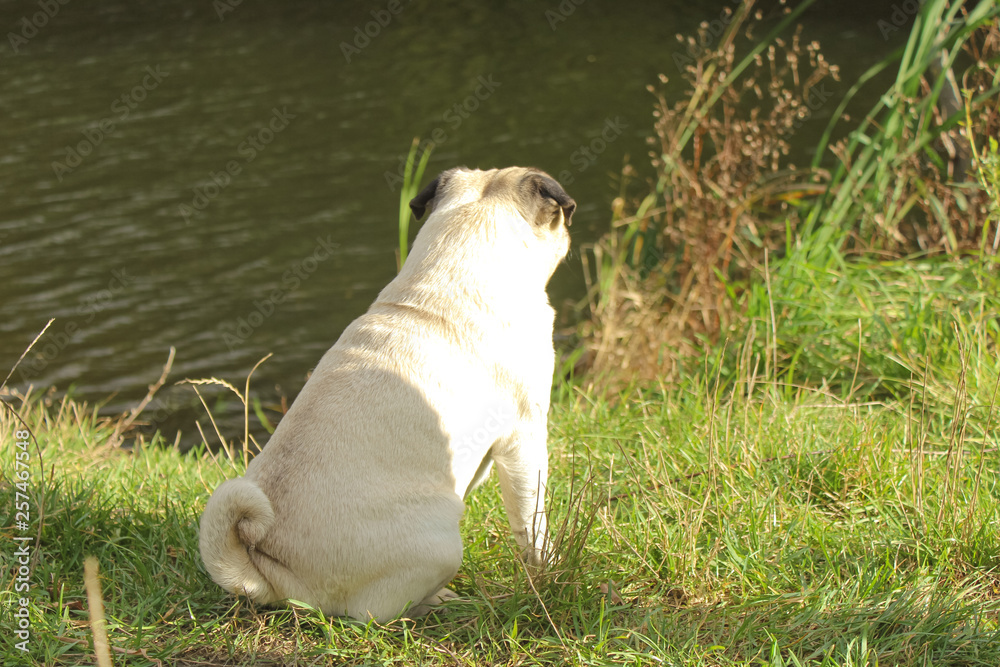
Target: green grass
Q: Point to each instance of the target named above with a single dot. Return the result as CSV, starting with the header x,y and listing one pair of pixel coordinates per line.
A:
x,y
876,188
870,328
694,526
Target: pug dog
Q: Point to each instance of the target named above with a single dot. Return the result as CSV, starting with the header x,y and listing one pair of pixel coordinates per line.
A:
x,y
354,504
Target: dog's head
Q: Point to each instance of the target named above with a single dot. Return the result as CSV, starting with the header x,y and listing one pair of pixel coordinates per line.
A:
x,y
524,201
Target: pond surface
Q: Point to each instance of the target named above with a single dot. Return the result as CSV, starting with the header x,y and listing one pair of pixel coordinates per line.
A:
x,y
223,177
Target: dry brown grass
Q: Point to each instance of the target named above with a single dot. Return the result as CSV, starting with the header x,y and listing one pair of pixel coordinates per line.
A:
x,y
723,194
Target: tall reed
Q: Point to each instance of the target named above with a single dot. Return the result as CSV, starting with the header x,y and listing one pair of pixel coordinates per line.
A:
x,y
413,174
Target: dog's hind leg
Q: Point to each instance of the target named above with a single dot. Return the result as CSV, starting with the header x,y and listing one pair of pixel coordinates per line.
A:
x,y
405,593
425,558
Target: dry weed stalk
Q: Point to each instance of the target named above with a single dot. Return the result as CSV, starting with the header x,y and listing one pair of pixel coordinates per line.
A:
x,y
721,154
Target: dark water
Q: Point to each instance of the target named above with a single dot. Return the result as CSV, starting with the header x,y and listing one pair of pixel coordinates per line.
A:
x,y
222,177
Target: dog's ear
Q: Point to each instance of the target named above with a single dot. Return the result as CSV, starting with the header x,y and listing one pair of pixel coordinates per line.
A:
x,y
547,203
419,203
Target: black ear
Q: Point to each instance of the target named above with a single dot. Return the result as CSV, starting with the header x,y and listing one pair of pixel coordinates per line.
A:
x,y
550,189
549,198
419,203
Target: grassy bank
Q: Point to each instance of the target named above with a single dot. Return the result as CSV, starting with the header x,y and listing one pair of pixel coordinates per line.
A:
x,y
694,528
807,475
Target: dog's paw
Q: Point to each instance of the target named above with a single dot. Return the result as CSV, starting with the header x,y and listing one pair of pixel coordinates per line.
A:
x,y
441,596
535,559
429,603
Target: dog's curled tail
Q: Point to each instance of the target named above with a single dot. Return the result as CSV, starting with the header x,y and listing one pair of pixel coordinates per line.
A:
x,y
237,517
